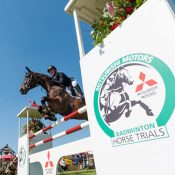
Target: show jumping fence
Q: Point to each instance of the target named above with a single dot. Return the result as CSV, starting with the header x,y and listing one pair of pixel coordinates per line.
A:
x,y
65,118
63,133
28,152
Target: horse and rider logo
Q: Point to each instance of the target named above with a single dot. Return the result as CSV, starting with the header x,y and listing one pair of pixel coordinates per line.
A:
x,y
135,91
114,99
22,156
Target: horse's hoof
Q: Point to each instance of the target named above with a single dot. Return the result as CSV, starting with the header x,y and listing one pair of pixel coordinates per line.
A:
x,y
53,119
50,117
127,114
149,113
46,117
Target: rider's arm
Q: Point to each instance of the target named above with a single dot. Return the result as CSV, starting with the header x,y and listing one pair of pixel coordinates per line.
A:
x,y
61,79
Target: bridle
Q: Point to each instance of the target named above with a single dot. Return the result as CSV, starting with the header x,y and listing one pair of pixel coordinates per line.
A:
x,y
27,83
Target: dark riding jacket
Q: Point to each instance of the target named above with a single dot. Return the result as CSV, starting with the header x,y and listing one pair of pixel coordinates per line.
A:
x,y
62,79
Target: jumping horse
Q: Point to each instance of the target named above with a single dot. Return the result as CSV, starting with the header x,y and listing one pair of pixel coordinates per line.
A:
x,y
57,100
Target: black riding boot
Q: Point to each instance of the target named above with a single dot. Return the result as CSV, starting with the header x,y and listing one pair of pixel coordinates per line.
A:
x,y
79,92
72,91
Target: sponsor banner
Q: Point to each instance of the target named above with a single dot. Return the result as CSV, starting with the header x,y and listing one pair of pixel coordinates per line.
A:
x,y
134,99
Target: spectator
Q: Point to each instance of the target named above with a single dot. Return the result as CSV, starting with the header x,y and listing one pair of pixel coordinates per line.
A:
x,y
63,164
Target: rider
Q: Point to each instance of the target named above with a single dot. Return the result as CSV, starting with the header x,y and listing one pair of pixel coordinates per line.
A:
x,y
62,79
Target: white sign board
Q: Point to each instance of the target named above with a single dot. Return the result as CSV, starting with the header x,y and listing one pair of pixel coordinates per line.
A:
x,y
23,166
129,87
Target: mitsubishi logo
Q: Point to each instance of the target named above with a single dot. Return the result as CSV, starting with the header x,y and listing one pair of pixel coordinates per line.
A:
x,y
49,163
149,82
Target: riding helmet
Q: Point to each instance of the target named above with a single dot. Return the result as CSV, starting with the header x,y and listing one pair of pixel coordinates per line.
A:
x,y
51,67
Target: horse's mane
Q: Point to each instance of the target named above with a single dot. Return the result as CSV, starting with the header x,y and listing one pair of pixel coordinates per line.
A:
x,y
43,75
49,80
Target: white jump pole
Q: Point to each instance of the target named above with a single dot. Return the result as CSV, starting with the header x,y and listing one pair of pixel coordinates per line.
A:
x,y
65,118
61,134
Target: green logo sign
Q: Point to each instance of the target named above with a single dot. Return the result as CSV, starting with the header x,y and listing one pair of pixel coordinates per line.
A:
x,y
134,99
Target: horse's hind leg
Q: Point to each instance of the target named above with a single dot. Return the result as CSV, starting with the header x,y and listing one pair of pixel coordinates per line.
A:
x,y
144,106
148,110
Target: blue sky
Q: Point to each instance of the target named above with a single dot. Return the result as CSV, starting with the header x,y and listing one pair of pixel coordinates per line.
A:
x,y
34,33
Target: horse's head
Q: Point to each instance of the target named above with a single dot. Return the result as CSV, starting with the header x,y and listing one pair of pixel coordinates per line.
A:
x,y
29,82
124,75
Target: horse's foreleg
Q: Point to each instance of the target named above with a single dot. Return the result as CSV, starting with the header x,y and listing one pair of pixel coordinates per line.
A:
x,y
44,106
43,101
144,106
128,108
46,111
